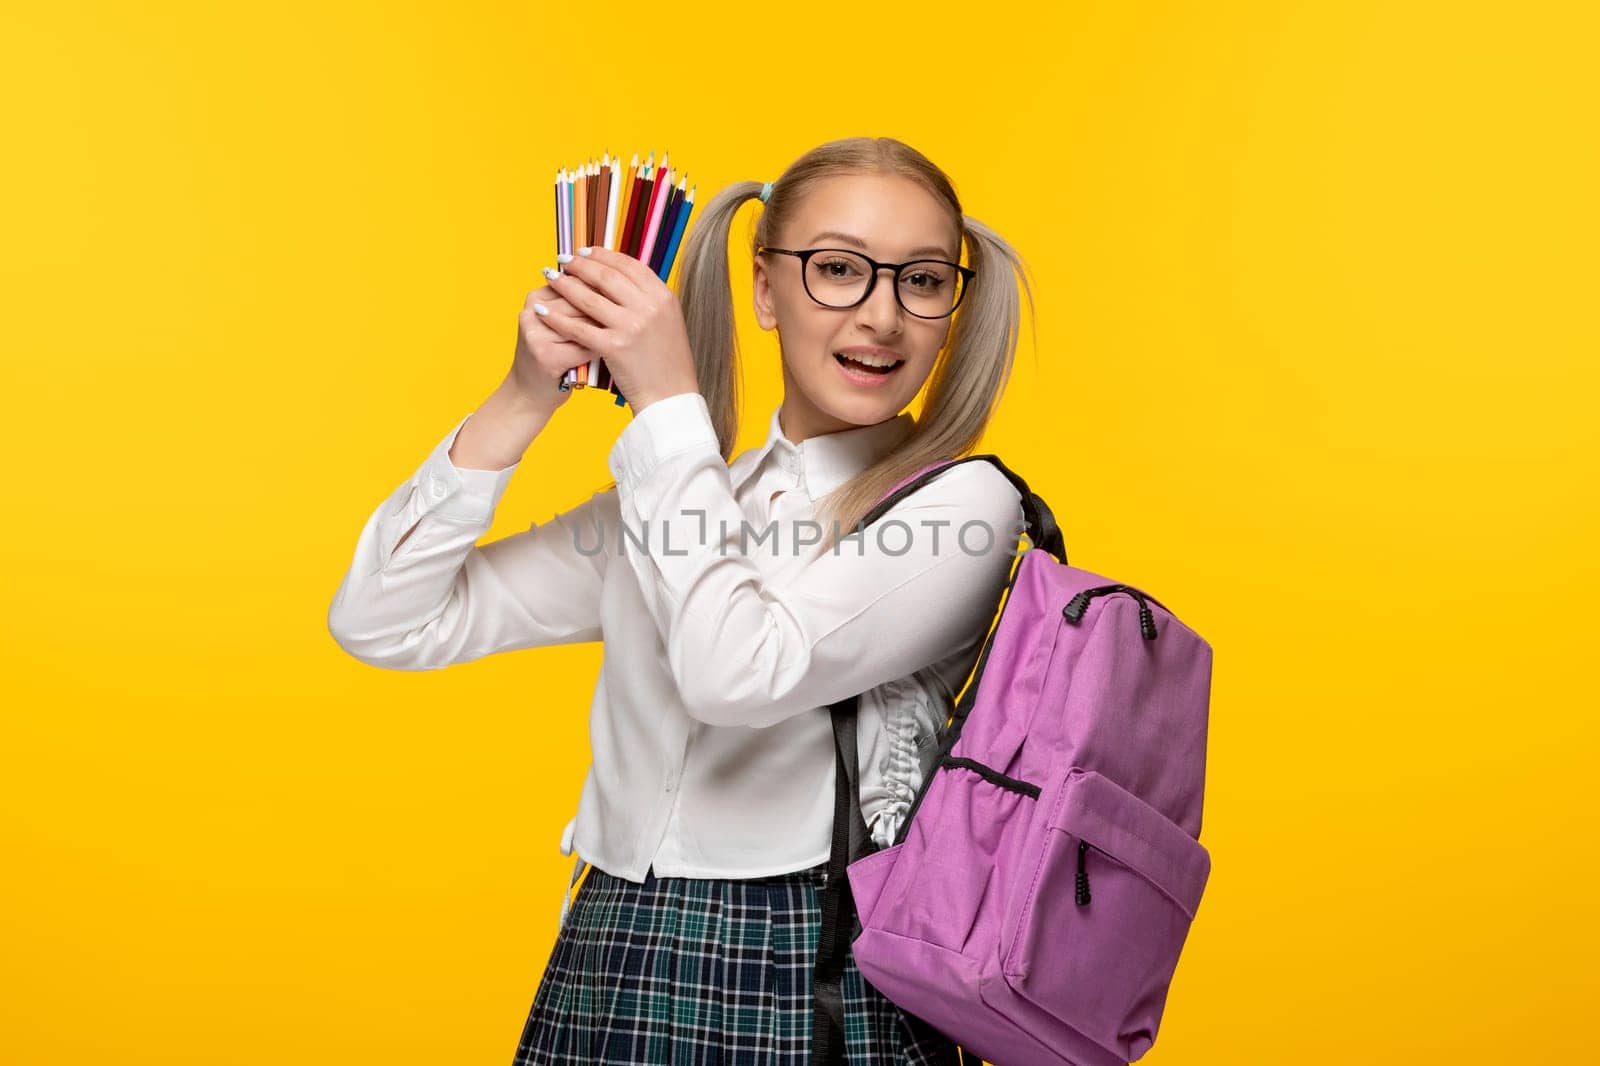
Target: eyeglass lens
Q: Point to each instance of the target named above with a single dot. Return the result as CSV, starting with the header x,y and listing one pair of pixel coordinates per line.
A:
x,y
928,288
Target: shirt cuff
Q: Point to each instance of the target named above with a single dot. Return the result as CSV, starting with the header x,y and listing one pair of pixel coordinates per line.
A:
x,y
458,492
677,424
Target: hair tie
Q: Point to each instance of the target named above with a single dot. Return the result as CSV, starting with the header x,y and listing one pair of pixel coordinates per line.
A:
x,y
766,191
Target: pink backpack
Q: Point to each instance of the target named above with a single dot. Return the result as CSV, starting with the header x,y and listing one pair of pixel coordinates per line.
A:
x,y
1035,901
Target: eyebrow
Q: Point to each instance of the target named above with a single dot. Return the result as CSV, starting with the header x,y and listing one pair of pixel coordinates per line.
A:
x,y
857,242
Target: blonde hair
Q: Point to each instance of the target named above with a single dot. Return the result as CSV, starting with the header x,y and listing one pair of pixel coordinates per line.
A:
x,y
968,377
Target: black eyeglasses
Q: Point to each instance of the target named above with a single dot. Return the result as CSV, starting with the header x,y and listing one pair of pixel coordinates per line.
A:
x,y
841,279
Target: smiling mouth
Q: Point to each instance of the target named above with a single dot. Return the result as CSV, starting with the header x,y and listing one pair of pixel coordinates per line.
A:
x,y
856,364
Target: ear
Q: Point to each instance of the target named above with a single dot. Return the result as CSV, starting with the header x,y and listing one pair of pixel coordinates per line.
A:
x,y
762,294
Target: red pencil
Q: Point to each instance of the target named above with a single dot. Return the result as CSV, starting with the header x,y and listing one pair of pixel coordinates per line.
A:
x,y
646,195
635,197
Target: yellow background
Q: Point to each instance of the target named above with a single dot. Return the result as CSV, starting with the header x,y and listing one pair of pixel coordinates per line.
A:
x,y
1315,364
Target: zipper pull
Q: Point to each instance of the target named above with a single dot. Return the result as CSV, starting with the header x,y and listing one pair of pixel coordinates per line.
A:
x,y
1083,874
1147,618
1073,611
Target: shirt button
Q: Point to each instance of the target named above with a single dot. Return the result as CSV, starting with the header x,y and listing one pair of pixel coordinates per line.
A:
x,y
437,488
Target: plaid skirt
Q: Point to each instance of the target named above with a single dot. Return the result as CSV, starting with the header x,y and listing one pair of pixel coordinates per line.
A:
x,y
705,972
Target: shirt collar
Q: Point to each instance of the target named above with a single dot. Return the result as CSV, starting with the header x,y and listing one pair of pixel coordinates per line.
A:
x,y
825,462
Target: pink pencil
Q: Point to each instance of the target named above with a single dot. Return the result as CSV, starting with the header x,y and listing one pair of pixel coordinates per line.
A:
x,y
653,220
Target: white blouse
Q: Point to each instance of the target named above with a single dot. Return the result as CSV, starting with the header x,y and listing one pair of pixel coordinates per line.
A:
x,y
727,632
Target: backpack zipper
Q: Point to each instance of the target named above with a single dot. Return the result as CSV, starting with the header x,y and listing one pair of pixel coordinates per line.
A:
x,y
1073,611
1082,894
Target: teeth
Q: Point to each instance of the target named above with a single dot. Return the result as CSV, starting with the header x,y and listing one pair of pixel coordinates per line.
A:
x,y
868,360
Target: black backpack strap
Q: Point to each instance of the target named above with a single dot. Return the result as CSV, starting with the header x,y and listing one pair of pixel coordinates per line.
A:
x,y
1042,528
841,924
851,840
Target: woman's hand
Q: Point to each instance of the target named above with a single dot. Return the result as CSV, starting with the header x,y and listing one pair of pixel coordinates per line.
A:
x,y
543,356
616,307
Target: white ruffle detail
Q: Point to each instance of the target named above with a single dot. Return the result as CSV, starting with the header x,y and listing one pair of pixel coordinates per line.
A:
x,y
898,760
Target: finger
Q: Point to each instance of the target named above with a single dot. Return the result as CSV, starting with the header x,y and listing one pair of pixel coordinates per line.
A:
x,y
604,278
577,292
575,328
551,301
546,295
637,272
537,334
564,352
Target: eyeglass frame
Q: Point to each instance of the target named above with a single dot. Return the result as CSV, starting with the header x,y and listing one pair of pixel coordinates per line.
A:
x,y
968,276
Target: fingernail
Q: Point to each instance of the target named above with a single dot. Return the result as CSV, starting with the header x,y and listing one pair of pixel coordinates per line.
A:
x,y
541,310
585,251
551,273
563,258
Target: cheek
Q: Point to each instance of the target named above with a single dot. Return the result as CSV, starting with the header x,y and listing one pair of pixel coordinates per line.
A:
x,y
785,311
803,328
929,346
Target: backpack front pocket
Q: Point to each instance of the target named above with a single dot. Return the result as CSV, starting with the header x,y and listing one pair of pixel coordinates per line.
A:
x,y
1106,913
958,839
867,876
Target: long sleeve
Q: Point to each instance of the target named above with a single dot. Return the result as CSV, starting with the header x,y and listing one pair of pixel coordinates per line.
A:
x,y
897,738
746,652
420,594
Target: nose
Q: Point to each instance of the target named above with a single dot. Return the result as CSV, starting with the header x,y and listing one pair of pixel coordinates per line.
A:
x,y
880,310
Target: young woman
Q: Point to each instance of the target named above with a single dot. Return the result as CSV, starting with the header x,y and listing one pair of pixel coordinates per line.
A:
x,y
736,600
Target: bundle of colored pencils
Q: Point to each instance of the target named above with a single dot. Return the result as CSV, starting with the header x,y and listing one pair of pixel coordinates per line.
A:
x,y
646,219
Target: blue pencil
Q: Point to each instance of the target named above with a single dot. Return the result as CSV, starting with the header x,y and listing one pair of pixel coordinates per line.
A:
x,y
677,235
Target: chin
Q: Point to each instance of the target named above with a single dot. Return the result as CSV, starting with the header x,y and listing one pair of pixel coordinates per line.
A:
x,y
865,410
